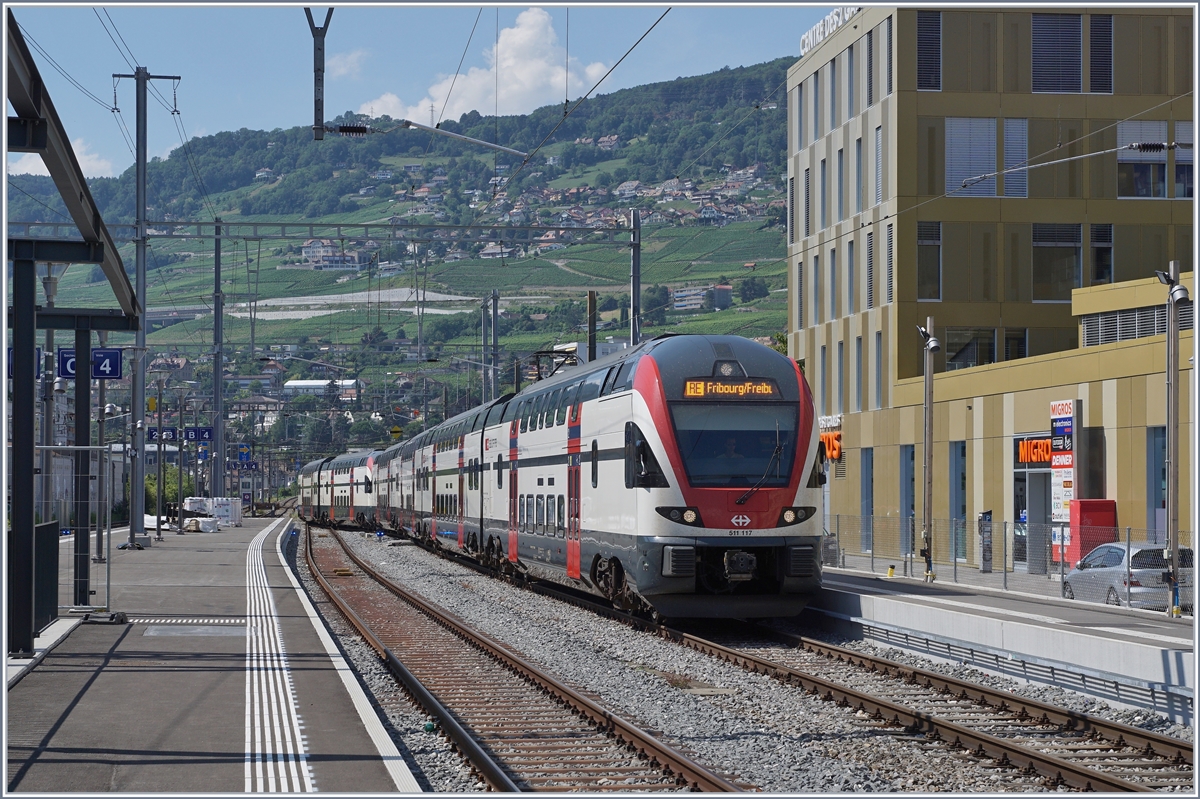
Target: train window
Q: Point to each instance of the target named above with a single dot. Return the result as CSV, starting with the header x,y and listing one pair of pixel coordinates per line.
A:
x,y
562,514
499,471
539,407
541,514
521,513
592,385
521,413
529,513
595,463
549,410
568,398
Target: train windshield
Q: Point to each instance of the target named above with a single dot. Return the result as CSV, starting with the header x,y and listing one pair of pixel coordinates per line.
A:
x,y
731,444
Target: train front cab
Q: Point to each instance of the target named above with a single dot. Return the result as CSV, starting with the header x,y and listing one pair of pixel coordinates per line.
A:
x,y
722,482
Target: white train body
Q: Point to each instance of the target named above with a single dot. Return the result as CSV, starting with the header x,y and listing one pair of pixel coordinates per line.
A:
x,y
682,475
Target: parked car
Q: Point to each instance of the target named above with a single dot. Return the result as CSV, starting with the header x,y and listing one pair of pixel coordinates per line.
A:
x,y
1101,577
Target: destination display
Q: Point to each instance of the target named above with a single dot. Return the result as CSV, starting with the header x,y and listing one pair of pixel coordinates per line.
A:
x,y
707,388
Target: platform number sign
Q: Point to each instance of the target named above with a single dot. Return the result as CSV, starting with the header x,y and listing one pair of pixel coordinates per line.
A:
x,y
66,363
106,364
166,434
37,364
197,434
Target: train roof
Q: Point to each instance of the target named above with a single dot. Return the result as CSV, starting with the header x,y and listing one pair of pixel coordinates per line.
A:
x,y
351,459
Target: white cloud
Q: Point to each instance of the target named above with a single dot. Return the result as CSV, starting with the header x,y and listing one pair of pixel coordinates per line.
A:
x,y
531,71
93,165
341,65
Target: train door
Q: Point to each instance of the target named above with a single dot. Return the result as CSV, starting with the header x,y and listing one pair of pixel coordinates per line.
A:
x,y
573,471
461,496
512,490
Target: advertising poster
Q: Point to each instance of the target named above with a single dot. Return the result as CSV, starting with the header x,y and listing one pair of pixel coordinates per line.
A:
x,y
1062,459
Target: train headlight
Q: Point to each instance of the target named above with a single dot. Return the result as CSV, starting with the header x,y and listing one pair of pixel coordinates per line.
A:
x,y
689,516
790,516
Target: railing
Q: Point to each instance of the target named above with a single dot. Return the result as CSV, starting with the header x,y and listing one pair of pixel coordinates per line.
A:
x,y
1122,565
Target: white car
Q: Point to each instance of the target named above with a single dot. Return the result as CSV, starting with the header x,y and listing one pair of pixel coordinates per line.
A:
x,y
1102,574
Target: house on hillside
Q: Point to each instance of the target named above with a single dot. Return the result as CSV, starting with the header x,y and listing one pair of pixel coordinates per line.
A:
x,y
265,173
497,251
608,142
628,190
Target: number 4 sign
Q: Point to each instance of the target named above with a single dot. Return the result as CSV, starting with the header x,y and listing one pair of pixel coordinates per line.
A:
x,y
106,364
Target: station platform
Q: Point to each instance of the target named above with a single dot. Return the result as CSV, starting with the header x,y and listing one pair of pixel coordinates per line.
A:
x,y
222,679
1135,658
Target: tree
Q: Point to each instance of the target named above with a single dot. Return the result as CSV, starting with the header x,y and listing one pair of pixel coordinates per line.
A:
x,y
655,301
752,288
333,395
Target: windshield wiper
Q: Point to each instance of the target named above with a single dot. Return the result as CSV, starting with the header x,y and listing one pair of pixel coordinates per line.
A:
x,y
774,456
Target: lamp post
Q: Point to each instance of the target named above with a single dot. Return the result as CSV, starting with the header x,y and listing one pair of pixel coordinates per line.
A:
x,y
931,346
179,442
158,489
49,273
1177,294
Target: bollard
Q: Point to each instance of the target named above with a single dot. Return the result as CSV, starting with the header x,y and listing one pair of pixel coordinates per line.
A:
x,y
891,571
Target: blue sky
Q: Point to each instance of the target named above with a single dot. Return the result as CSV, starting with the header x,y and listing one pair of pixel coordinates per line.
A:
x,y
251,67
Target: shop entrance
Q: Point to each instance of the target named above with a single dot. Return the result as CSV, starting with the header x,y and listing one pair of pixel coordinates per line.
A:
x,y
1038,526
1031,503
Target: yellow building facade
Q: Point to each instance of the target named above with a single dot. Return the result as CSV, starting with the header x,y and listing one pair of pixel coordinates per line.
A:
x,y
921,184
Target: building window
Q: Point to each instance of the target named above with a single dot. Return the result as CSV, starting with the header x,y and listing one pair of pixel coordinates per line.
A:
x,y
929,260
1057,53
1141,174
970,152
833,93
841,185
841,378
800,117
824,196
807,218
929,50
870,269
958,497
878,165
858,374
1156,478
887,27
908,495
1056,261
866,497
889,263
835,309
1183,161
878,369
791,210
800,296
870,68
1015,344
850,109
969,346
824,383
817,289
1101,56
1102,254
1016,153
817,105
851,303
858,175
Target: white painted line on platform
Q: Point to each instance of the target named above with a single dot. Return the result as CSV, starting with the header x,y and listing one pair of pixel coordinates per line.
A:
x,y
392,760
274,744
1186,643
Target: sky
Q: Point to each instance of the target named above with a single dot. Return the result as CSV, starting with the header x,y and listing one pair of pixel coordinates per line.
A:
x,y
252,67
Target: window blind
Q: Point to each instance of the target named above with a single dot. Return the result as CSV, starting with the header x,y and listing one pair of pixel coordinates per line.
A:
x,y
970,152
888,64
1142,130
889,264
1101,57
807,218
800,295
1183,135
878,165
870,270
929,50
1057,53
870,68
791,210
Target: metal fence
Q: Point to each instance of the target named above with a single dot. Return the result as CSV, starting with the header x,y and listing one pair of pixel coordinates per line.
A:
x,y
1117,565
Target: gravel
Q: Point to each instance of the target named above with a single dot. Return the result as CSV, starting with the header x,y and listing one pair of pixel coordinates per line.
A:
x,y
751,727
427,754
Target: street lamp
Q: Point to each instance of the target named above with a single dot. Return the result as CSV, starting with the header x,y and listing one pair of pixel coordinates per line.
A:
x,y
160,378
932,345
183,393
1177,294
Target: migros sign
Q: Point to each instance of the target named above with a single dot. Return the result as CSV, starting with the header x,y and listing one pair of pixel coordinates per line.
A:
x,y
1033,450
817,33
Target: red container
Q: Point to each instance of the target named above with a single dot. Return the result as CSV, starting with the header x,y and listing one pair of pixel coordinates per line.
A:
x,y
1093,522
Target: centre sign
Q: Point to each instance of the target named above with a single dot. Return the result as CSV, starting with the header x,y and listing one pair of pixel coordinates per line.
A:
x,y
832,21
1065,416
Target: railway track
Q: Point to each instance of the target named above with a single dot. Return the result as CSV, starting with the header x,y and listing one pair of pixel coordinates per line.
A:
x,y
520,728
1065,747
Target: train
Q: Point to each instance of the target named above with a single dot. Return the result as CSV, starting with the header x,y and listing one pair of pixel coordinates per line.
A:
x,y
679,478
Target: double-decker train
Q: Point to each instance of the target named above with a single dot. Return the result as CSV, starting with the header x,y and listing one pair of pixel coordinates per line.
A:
x,y
681,477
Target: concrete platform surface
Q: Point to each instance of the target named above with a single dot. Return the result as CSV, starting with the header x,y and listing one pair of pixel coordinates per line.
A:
x,y
1136,657
223,680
